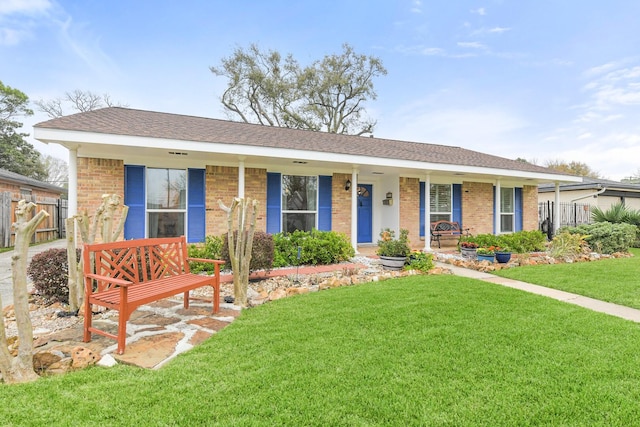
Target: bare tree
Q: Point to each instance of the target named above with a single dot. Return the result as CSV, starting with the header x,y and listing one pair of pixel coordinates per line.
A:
x,y
573,167
241,221
77,100
57,171
20,368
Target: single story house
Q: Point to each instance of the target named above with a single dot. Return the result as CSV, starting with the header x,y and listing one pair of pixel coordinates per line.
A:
x,y
172,169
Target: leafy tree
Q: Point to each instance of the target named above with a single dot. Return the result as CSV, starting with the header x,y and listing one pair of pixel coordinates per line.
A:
x,y
78,100
328,95
16,154
573,167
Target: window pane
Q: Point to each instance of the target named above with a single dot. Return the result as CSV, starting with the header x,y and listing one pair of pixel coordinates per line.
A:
x,y
506,200
440,198
299,193
298,221
440,217
506,223
166,224
166,188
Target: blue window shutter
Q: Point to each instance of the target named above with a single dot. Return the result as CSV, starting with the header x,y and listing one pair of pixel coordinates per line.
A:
x,y
196,209
134,198
422,207
274,202
518,202
324,203
456,214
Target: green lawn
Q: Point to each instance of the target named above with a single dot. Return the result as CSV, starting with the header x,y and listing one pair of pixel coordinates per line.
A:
x,y
612,280
422,350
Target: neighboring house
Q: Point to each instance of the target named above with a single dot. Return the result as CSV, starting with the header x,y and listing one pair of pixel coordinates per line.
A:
x,y
15,187
576,199
172,170
596,192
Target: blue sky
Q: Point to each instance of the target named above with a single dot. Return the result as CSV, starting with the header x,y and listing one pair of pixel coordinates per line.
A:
x,y
537,79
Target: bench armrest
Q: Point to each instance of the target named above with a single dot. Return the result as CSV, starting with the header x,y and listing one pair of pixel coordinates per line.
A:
x,y
114,280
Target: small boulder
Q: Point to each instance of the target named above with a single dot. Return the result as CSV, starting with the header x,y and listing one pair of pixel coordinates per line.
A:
x,y
83,357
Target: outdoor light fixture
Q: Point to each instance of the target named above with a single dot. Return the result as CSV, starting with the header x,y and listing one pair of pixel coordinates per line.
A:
x,y
347,185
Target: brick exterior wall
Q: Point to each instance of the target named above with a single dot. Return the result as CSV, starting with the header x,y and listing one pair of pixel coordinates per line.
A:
x,y
341,205
222,184
410,209
477,207
530,207
95,178
36,193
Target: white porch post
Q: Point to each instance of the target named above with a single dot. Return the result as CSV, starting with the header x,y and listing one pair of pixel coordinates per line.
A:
x,y
427,214
241,178
556,209
354,210
73,183
496,214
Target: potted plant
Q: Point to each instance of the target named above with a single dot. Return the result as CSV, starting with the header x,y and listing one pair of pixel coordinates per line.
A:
x,y
503,255
393,252
487,253
468,250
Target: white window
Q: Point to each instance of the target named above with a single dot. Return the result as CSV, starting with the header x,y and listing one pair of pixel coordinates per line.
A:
x,y
299,202
441,202
166,202
507,210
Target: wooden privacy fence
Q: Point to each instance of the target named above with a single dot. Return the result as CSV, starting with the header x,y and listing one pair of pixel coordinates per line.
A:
x,y
50,229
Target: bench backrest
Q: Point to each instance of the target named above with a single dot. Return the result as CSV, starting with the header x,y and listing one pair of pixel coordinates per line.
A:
x,y
137,260
445,226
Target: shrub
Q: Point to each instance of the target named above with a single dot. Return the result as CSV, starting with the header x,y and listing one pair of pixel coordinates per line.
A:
x,y
316,248
388,245
617,213
420,261
518,242
262,251
210,249
605,237
568,245
49,271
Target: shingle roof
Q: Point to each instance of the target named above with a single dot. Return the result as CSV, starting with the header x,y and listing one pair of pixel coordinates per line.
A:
x,y
140,123
6,175
591,183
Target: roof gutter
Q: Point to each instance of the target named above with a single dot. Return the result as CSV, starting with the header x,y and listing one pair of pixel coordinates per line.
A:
x,y
590,195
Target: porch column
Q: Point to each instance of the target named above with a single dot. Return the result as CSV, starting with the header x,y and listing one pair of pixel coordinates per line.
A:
x,y
556,209
241,178
354,209
427,214
496,213
73,183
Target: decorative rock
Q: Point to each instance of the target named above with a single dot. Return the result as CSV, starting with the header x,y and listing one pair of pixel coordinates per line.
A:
x,y
43,360
107,361
297,291
83,357
61,367
277,294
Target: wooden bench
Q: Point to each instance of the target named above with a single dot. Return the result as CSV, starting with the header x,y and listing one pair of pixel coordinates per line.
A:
x,y
440,229
125,275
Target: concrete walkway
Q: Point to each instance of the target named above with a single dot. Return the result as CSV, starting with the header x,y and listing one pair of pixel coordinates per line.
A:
x,y
586,302
6,285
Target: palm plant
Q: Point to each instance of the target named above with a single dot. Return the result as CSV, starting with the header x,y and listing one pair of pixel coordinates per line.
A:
x,y
616,214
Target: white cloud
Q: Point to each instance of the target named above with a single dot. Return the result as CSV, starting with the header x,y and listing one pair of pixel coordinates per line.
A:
x,y
472,45
480,11
417,6
25,7
11,36
499,30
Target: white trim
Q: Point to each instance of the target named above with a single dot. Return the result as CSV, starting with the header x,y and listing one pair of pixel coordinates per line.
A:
x,y
354,210
427,214
72,139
